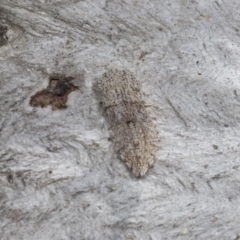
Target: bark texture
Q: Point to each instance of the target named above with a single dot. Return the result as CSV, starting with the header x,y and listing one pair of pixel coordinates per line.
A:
x,y
60,177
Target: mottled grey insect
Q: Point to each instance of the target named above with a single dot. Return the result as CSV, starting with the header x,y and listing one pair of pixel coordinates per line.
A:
x,y
133,131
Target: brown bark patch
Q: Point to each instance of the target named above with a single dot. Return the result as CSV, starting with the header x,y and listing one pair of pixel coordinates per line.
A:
x,y
56,93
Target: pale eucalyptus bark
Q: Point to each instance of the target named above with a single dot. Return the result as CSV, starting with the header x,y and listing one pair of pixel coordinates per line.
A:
x,y
60,177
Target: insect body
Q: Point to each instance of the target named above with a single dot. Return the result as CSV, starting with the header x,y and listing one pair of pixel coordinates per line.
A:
x,y
133,132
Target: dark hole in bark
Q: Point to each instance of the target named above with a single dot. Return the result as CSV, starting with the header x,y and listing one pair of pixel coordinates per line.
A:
x,y
10,178
3,35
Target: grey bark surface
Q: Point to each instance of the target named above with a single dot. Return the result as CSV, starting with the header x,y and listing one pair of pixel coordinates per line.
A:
x,y
60,177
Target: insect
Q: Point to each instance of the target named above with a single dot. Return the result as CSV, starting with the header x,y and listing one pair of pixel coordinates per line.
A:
x,y
133,132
